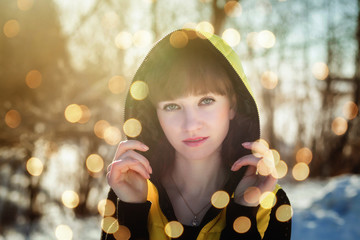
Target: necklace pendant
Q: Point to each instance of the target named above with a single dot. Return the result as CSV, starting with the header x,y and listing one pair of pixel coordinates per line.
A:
x,y
195,222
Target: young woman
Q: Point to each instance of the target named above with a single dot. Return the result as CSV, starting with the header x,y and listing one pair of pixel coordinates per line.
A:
x,y
199,126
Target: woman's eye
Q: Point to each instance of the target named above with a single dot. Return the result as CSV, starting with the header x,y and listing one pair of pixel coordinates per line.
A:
x,y
207,101
171,107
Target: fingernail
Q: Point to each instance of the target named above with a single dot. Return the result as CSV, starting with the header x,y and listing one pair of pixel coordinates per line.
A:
x,y
246,144
145,147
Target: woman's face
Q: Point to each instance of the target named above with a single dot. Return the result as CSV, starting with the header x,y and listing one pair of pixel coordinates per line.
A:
x,y
196,125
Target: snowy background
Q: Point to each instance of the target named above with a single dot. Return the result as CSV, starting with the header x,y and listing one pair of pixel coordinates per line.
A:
x,y
323,209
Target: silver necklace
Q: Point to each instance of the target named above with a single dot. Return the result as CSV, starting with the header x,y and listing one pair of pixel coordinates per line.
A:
x,y
195,222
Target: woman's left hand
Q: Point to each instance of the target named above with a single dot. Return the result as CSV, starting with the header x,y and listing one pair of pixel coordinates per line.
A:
x,y
260,177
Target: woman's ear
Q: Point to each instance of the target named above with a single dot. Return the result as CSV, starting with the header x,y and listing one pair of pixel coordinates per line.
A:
x,y
232,113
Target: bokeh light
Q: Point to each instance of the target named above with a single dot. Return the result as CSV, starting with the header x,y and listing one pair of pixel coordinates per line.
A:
x,y
281,169
190,25
142,38
139,90
117,84
94,163
300,171
276,156
350,110
284,213
106,207
320,70
12,118
123,40
33,79
11,28
268,200
100,127
266,39
63,232
304,155
34,166
242,224
73,113
85,114
174,229
339,126
233,9
70,199
109,225
132,127
205,27
25,5
231,36
259,147
252,195
220,199
123,233
179,39
112,135
269,80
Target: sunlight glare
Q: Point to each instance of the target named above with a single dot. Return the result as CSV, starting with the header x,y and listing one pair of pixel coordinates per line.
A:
x,y
11,28
231,36
174,229
12,118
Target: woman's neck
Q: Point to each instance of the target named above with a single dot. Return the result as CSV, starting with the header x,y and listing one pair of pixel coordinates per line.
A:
x,y
198,177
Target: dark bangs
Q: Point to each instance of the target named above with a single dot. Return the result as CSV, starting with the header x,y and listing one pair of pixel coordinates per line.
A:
x,y
187,71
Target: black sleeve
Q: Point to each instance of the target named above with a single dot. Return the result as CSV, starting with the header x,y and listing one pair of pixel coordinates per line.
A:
x,y
132,215
275,230
278,229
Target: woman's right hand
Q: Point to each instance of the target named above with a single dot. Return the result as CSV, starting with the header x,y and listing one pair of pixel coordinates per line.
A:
x,y
128,173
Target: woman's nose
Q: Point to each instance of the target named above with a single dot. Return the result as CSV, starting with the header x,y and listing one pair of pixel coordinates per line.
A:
x,y
192,120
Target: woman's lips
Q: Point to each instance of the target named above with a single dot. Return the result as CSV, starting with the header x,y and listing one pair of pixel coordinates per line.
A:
x,y
195,142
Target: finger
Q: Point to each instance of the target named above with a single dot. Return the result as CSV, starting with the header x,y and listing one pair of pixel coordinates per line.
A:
x,y
256,147
123,166
248,160
135,155
130,145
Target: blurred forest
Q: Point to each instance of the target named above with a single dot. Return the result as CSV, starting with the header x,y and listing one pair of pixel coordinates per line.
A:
x,y
65,67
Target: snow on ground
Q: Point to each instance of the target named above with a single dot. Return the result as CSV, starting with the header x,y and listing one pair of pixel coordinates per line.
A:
x,y
323,209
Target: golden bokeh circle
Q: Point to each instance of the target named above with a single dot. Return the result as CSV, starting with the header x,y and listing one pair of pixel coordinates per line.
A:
x,y
339,126
205,26
252,195
70,199
112,135
284,213
320,70
123,233
268,200
304,155
11,28
174,229
34,166
139,90
12,118
123,40
242,224
266,39
179,39
117,84
220,199
109,225
269,80
106,207
350,110
300,171
63,232
233,9
94,163
281,169
100,127
73,113
132,127
33,79
231,37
